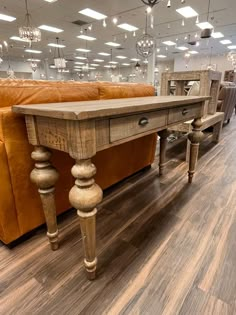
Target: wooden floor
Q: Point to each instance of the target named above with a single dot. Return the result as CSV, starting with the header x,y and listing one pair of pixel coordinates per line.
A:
x,y
164,247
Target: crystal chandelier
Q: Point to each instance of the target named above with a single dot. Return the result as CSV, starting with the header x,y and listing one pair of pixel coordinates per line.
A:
x,y
145,44
59,60
232,58
33,66
28,32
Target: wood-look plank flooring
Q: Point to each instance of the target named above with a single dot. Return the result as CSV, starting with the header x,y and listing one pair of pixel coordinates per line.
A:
x,y
164,247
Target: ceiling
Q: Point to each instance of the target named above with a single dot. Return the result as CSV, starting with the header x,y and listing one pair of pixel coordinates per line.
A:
x,y
62,13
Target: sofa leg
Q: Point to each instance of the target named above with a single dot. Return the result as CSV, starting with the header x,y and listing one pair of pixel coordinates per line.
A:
x,y
44,175
228,121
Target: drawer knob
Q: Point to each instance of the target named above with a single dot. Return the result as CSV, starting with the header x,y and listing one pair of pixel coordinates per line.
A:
x,y
143,121
184,112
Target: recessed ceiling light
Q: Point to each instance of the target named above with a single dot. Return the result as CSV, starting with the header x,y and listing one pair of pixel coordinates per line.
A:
x,y
217,35
225,41
50,29
121,57
182,48
204,25
193,52
50,1
98,60
81,58
112,44
169,43
7,18
135,59
93,14
125,64
35,60
83,50
113,62
18,39
107,66
86,37
232,47
79,63
103,54
56,45
128,27
161,56
33,51
187,12
94,65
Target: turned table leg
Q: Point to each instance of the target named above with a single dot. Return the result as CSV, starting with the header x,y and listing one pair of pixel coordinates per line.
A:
x,y
195,138
164,134
44,175
84,196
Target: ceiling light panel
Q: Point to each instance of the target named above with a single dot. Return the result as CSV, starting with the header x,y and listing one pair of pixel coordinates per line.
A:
x,y
56,45
32,51
7,18
81,58
232,47
121,57
50,29
225,41
113,44
113,62
193,52
182,48
34,60
204,25
17,38
103,54
79,63
128,27
50,1
135,59
98,60
83,50
125,64
161,56
93,14
86,37
94,65
217,35
169,43
187,12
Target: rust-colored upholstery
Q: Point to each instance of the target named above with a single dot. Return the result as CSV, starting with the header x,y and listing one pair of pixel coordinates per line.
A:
x,y
20,205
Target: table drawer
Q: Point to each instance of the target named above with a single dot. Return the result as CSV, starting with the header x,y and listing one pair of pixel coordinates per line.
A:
x,y
184,113
128,126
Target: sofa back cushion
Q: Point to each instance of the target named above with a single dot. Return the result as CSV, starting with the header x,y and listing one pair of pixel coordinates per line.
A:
x,y
125,91
15,93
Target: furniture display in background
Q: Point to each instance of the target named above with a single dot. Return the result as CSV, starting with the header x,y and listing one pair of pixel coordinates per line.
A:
x,y
20,205
81,129
230,76
207,84
227,100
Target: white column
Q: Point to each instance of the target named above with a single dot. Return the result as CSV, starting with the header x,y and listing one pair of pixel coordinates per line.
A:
x,y
151,68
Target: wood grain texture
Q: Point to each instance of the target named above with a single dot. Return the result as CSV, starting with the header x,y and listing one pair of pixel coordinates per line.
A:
x,y
172,255
105,108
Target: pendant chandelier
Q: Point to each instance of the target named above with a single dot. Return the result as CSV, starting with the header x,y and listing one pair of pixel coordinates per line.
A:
x,y
151,3
232,58
28,32
59,60
145,44
206,33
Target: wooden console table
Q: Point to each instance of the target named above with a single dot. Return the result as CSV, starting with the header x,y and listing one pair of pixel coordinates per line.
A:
x,y
83,128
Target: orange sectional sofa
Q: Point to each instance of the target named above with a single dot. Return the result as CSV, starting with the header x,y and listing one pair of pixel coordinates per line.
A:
x,y
20,205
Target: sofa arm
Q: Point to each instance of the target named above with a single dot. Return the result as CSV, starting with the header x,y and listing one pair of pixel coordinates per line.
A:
x,y
219,105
